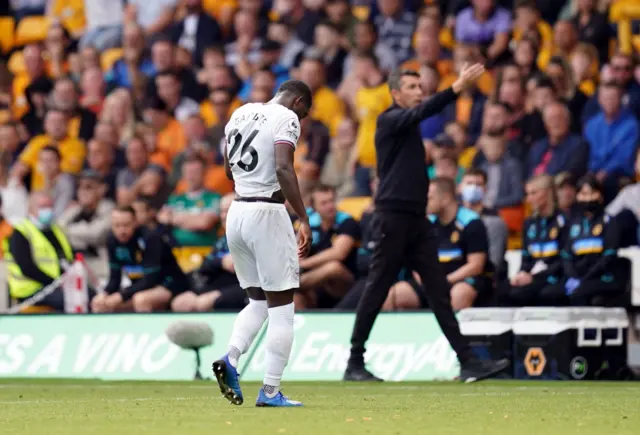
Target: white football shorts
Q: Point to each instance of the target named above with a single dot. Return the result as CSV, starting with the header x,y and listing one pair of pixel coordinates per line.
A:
x,y
263,246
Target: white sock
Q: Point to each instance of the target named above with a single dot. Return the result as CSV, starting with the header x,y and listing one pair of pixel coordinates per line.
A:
x,y
245,329
279,342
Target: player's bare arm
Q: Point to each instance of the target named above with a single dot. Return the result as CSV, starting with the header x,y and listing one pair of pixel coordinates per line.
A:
x,y
289,184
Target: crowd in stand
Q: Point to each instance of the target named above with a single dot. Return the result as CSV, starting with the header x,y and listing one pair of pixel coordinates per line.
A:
x,y
112,117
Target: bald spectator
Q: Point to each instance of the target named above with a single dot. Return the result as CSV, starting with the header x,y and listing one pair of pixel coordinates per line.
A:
x,y
65,97
565,38
34,71
620,71
101,159
58,185
504,186
92,87
133,62
561,150
613,136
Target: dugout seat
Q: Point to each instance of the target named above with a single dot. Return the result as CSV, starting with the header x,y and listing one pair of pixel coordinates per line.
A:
x,y
190,257
16,63
513,217
354,206
7,33
31,30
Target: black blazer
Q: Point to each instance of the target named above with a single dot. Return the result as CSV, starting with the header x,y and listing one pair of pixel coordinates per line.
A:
x,y
208,33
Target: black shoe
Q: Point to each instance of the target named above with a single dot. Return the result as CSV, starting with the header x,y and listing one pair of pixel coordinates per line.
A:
x,y
360,374
476,370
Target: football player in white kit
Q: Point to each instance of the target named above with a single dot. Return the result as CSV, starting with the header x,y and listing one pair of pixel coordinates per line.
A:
x,y
258,156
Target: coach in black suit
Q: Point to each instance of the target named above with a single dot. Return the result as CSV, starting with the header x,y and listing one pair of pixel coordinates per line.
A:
x,y
402,234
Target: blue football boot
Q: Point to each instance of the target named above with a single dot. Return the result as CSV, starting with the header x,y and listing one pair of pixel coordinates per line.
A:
x,y
277,401
227,377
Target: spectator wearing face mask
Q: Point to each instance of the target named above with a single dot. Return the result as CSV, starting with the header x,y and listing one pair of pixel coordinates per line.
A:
x,y
472,188
37,253
589,257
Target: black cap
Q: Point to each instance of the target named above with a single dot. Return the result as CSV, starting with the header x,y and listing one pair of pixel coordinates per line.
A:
x,y
270,45
444,141
90,174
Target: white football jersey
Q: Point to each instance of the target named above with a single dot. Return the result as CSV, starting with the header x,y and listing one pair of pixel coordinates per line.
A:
x,y
251,135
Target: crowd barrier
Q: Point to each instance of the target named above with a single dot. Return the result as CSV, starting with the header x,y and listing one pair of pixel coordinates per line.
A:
x,y
513,260
556,343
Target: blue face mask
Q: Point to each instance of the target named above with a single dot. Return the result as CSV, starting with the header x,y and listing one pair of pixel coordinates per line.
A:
x,y
45,216
473,194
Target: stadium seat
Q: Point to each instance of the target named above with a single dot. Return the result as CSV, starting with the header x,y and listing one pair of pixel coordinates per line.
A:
x,y
16,63
7,30
109,57
361,12
32,29
216,8
354,206
190,257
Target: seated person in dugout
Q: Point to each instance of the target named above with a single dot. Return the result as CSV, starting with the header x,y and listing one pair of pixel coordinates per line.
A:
x,y
463,251
330,269
215,285
350,301
147,260
592,269
543,236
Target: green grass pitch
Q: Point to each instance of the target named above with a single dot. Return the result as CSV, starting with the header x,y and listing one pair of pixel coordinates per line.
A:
x,y
71,407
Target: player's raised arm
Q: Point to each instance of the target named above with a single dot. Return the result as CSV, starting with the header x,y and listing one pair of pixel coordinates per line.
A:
x,y
407,96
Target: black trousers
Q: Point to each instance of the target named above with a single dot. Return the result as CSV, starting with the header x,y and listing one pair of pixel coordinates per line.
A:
x,y
404,240
525,295
583,295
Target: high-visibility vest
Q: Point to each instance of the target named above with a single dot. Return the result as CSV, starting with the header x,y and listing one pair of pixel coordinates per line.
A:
x,y
43,253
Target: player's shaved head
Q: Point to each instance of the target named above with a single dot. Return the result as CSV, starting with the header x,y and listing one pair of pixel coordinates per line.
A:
x,y
295,95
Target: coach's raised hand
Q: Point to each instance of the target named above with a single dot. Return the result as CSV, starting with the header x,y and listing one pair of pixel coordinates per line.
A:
x,y
468,76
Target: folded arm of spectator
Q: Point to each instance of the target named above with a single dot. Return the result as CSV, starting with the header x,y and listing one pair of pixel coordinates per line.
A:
x,y
341,247
87,233
195,222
